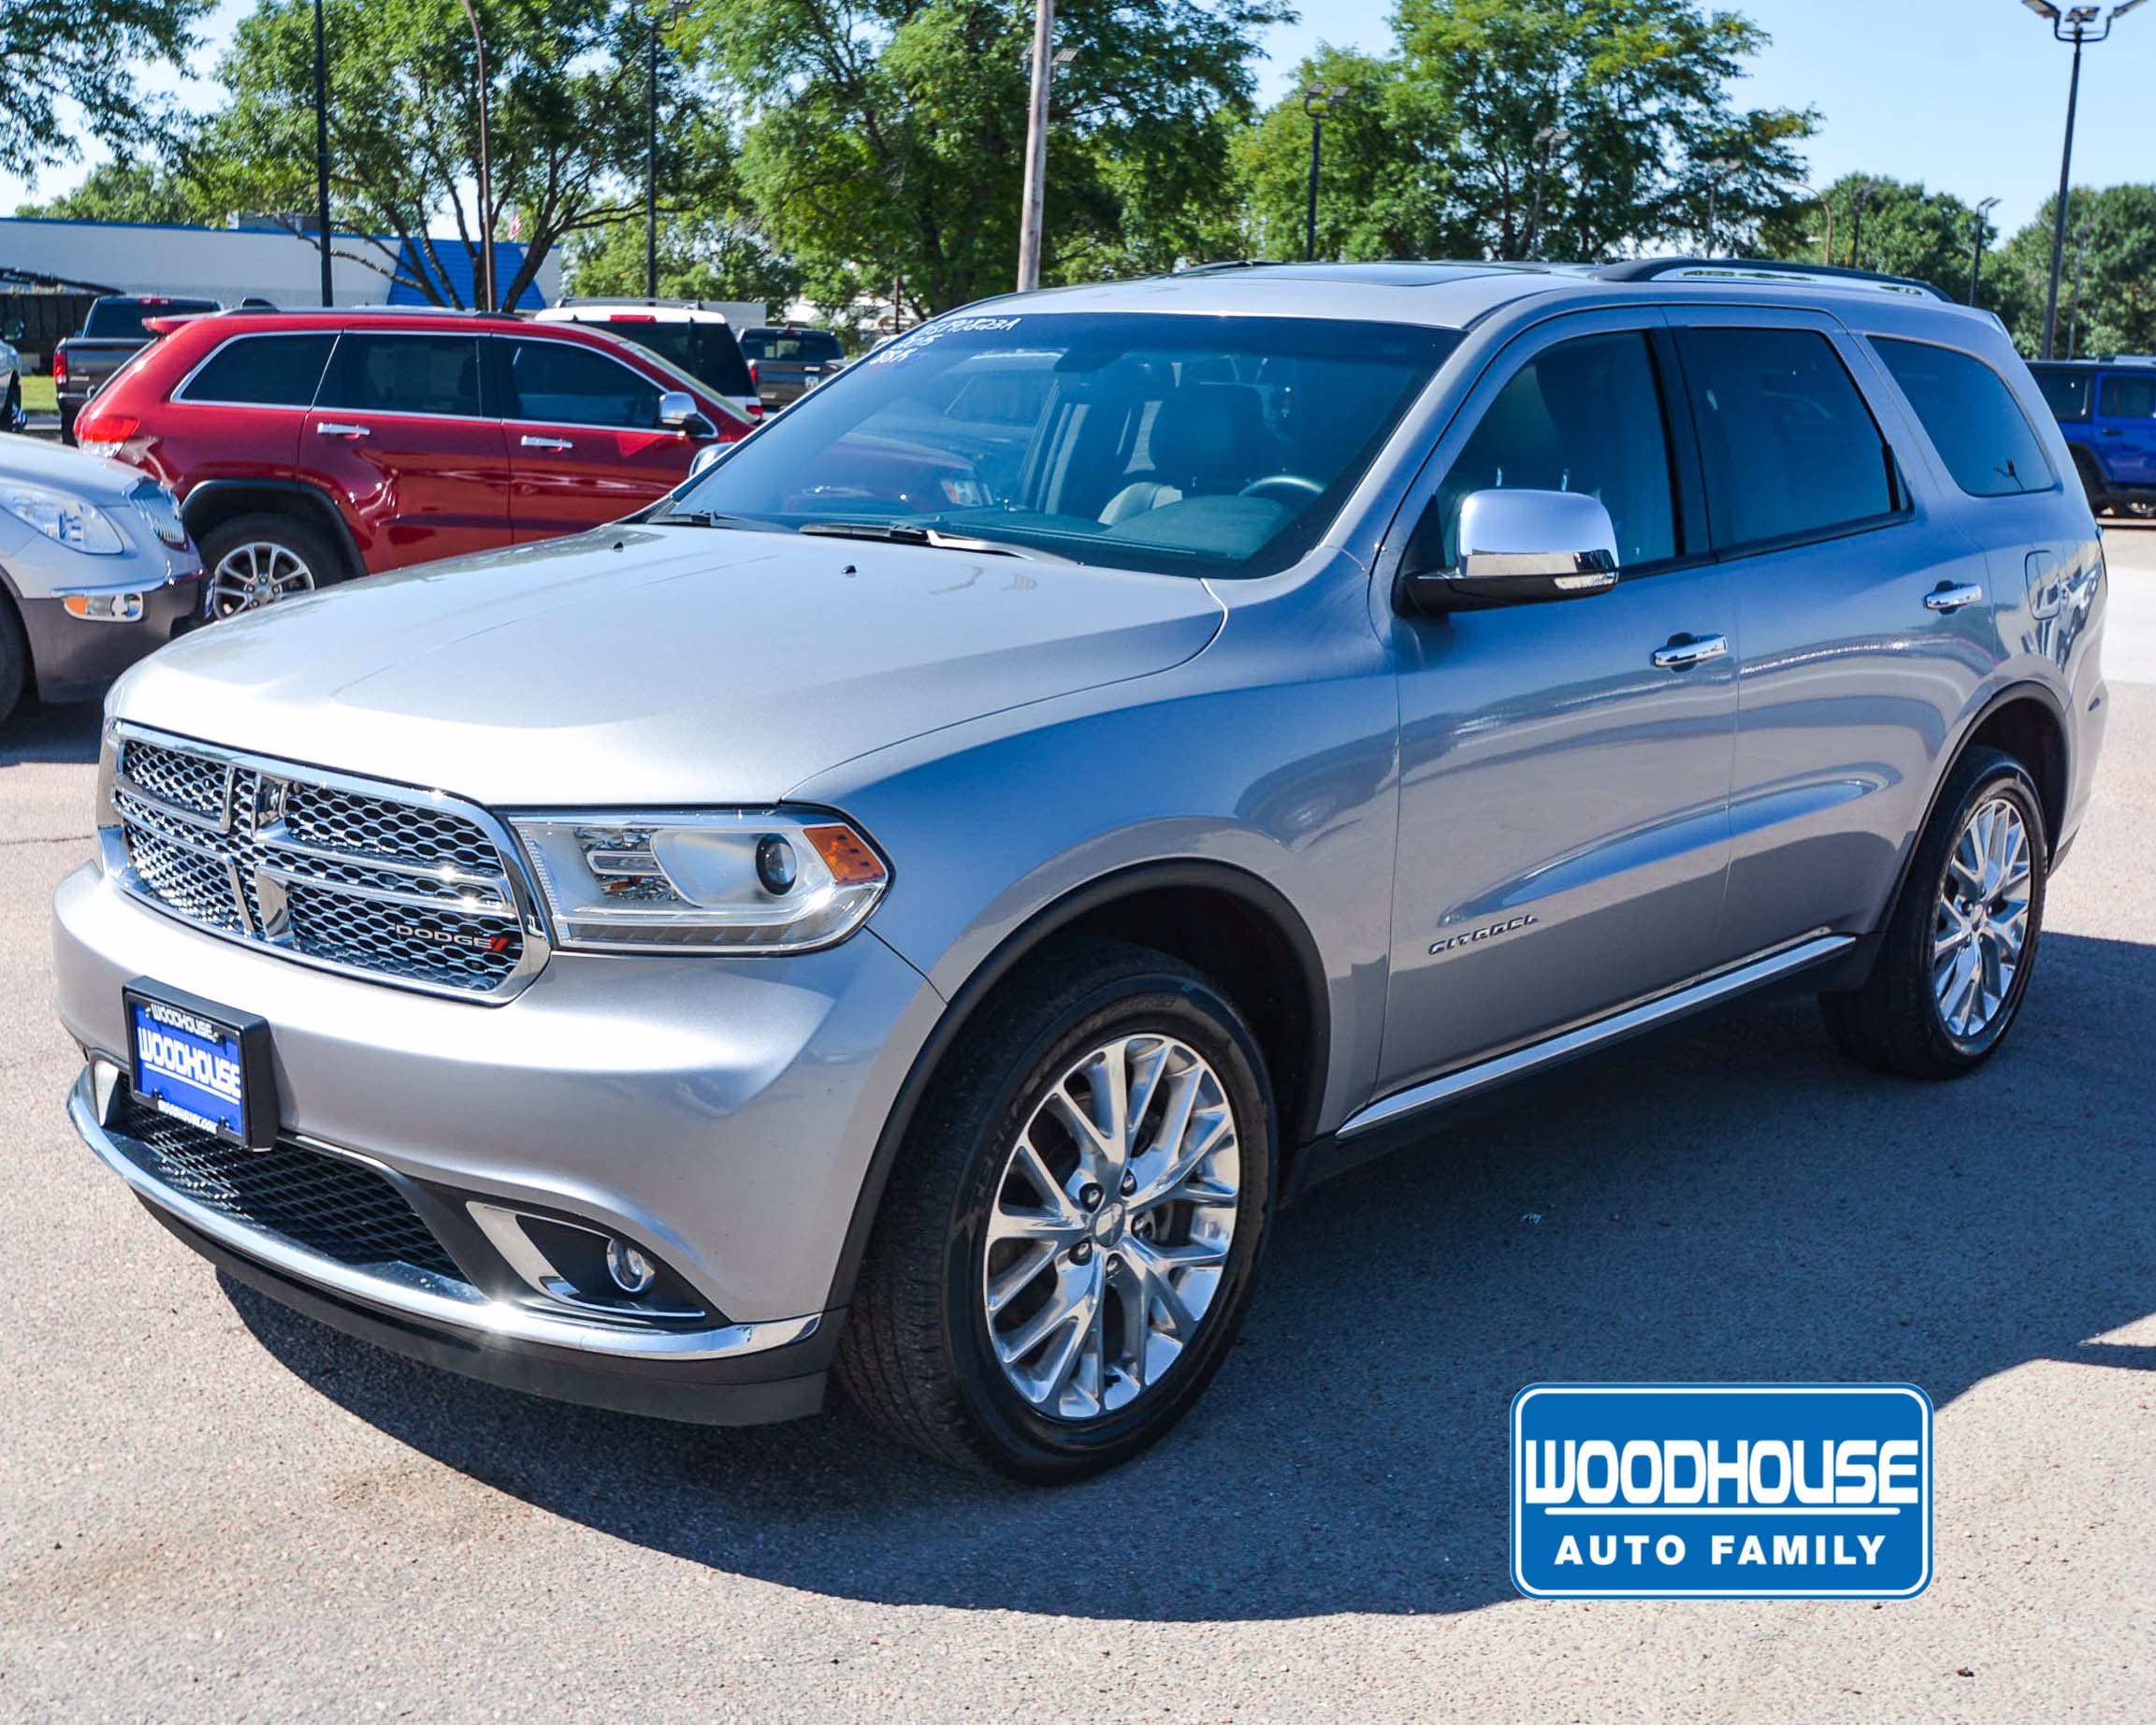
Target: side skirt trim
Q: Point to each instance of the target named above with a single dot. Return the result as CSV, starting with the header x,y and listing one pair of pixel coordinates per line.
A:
x,y
1629,1021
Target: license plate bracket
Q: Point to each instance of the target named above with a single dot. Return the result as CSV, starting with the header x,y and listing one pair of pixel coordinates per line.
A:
x,y
201,1063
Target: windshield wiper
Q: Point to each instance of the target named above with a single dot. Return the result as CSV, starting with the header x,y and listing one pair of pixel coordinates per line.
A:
x,y
705,517
911,533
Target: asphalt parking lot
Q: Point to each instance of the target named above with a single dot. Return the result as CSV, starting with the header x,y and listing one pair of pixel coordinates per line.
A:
x,y
213,1509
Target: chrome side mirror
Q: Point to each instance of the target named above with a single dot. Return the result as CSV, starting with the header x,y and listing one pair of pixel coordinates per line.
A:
x,y
678,412
1516,549
703,459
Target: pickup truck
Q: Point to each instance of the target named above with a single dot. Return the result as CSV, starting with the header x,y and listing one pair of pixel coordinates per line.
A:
x,y
787,361
112,334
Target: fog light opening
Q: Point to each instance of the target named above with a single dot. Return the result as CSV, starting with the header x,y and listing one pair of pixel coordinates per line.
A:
x,y
629,1268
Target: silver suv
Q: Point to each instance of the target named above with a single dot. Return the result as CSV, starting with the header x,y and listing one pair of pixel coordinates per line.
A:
x,y
911,906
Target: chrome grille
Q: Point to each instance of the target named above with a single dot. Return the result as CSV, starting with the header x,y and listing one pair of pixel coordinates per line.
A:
x,y
407,887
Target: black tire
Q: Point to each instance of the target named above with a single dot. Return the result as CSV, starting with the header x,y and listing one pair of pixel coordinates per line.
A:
x,y
916,1355
11,415
2092,484
1894,1023
300,539
67,413
14,659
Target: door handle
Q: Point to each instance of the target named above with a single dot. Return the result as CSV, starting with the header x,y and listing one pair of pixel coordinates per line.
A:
x,y
331,428
1952,596
545,443
2111,430
1684,651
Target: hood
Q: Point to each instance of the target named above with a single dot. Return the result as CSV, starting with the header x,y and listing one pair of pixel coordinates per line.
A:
x,y
39,463
654,665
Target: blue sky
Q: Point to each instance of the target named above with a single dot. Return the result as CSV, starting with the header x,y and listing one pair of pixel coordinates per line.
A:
x,y
1966,95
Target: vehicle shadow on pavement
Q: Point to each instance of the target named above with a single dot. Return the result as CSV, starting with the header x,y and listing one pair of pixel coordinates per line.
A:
x,y
61,736
1734,1203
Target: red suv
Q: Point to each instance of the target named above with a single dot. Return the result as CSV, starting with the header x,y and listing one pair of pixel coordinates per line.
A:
x,y
309,446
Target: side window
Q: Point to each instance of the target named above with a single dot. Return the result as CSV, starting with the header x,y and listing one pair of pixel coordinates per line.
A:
x,y
1791,450
262,371
382,374
1971,418
562,384
1583,415
2066,393
2128,398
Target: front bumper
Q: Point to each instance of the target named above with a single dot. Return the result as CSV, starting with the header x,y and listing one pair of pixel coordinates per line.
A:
x,y
717,1115
75,658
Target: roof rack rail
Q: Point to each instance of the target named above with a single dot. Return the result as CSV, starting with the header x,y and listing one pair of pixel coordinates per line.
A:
x,y
1760,269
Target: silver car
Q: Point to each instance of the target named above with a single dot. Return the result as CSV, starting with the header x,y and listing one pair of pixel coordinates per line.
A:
x,y
911,906
95,571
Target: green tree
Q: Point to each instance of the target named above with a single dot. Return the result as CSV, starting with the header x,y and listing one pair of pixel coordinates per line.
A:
x,y
702,255
566,85
886,137
2111,235
1905,231
63,56
1384,180
130,189
1641,87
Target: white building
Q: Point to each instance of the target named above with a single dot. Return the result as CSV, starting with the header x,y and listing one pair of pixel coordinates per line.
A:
x,y
228,263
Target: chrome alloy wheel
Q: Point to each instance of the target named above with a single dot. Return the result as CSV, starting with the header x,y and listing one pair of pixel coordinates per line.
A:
x,y
1110,1226
1982,923
256,574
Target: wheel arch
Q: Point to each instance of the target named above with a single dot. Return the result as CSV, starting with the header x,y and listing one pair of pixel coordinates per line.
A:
x,y
214,501
1224,921
2025,720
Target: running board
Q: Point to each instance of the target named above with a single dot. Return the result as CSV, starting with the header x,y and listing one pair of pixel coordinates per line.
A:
x,y
1548,1052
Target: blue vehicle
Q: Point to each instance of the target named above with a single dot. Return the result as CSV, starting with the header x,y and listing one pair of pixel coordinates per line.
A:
x,y
2107,410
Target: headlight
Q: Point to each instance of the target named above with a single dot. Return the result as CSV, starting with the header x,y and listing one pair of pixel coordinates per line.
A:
x,y
74,523
754,880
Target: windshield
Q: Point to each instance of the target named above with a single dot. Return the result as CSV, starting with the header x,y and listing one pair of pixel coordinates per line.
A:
x,y
1199,446
111,319
808,344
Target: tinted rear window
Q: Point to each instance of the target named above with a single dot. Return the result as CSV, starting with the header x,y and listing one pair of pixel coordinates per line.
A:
x,y
707,352
2068,392
117,319
382,374
262,371
2128,398
813,345
1971,418
1791,450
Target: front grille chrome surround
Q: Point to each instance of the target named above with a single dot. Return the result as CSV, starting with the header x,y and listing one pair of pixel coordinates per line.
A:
x,y
399,885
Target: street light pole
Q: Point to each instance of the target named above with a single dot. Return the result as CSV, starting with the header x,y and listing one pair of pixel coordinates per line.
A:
x,y
1318,99
1976,251
322,155
1859,195
1028,222
1719,169
2073,312
2078,26
485,278
1550,139
675,8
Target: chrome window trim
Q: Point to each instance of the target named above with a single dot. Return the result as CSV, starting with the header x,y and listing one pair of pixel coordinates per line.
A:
x,y
521,901
418,1294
